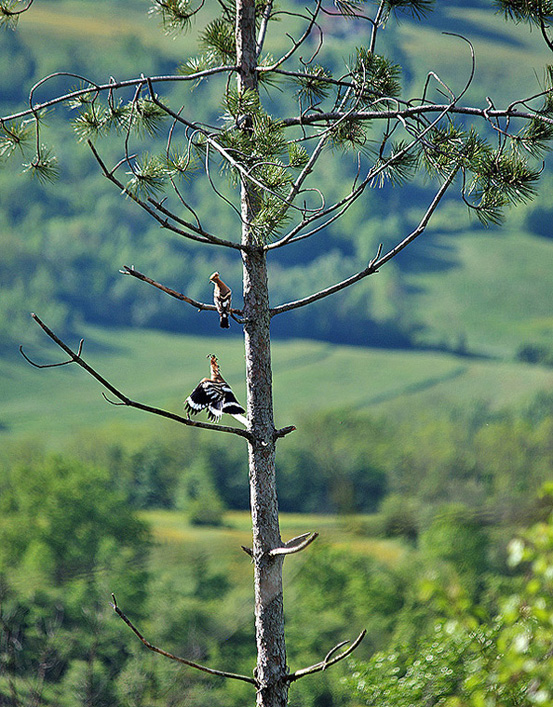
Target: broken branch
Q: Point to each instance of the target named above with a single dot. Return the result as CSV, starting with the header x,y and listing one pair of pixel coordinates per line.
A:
x,y
297,544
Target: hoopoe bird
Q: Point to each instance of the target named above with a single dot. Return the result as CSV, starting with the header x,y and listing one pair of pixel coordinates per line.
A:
x,y
222,296
214,395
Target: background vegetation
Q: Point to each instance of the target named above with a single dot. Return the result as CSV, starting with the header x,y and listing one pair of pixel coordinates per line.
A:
x,y
438,399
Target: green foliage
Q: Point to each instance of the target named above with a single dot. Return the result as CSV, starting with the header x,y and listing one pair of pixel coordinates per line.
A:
x,y
219,38
62,507
9,13
535,353
456,537
375,79
147,177
397,167
526,10
198,497
66,540
44,166
175,15
417,8
501,661
442,671
17,136
312,87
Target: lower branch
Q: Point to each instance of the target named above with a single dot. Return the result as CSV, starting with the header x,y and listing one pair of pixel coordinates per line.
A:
x,y
294,545
76,358
184,661
328,660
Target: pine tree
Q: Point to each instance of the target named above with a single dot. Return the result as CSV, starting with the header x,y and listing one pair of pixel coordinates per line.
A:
x,y
491,155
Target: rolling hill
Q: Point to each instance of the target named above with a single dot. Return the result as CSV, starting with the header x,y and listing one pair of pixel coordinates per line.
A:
x,y
160,369
476,295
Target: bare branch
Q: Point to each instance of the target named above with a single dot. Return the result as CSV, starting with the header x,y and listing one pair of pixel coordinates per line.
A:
x,y
76,358
201,306
184,661
414,111
375,263
51,365
328,660
115,85
204,237
294,545
296,43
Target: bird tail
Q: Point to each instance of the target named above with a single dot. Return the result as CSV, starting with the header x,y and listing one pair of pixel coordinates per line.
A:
x,y
241,419
224,322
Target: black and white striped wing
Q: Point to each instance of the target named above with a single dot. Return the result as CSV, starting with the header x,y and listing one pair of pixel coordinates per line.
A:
x,y
215,397
230,405
205,395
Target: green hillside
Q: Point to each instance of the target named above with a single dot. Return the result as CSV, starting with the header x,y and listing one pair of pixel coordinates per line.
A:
x,y
161,369
459,287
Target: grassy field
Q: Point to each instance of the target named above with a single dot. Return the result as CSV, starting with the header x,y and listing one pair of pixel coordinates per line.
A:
x,y
488,289
177,542
161,369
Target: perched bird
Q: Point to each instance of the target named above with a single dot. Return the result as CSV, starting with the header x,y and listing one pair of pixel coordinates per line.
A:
x,y
214,395
222,296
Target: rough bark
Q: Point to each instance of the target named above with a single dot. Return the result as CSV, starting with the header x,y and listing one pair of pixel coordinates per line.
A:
x,y
269,613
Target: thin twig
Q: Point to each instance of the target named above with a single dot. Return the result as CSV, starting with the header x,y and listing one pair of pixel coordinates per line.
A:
x,y
374,264
328,660
132,403
296,43
51,365
184,661
196,234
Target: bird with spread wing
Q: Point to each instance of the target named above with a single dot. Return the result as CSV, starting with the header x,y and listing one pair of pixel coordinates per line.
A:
x,y
222,297
214,395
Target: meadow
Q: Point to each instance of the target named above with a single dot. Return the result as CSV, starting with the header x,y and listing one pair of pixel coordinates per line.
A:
x,y
160,369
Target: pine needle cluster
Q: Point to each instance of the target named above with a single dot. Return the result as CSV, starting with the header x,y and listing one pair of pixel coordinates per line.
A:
x,y
175,15
532,11
9,13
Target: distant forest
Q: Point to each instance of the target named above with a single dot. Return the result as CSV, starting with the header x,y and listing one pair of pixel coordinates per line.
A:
x,y
62,244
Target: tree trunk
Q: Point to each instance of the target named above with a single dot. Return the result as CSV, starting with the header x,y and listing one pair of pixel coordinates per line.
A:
x,y
269,611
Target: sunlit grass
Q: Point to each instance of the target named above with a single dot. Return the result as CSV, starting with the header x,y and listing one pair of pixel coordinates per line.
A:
x,y
174,534
160,369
